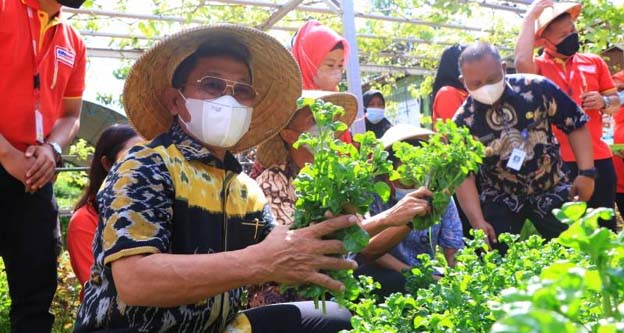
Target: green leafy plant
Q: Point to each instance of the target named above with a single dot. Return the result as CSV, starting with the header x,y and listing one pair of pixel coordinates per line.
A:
x,y
341,180
567,297
441,164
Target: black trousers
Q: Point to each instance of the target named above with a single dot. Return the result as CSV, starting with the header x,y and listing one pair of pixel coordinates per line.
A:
x,y
504,220
296,317
604,188
27,246
391,281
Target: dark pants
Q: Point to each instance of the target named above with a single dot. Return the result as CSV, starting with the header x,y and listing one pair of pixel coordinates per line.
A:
x,y
391,281
299,317
604,189
619,198
27,246
504,220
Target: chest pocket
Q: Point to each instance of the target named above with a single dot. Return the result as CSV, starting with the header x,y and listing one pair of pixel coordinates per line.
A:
x,y
8,33
246,232
588,77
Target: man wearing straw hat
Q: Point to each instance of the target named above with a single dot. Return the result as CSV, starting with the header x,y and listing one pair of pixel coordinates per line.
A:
x,y
584,77
182,229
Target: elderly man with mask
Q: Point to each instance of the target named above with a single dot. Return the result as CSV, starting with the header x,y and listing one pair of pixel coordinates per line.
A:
x,y
521,176
584,77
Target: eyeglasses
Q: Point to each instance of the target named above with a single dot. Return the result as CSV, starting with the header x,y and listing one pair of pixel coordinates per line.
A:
x,y
217,87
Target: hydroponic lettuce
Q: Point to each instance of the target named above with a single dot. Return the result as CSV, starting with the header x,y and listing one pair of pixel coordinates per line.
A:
x,y
341,180
441,164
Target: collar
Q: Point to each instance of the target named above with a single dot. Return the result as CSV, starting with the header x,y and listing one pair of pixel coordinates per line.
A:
x,y
556,60
193,150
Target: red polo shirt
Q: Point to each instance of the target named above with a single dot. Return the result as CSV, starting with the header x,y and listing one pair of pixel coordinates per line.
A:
x,y
583,72
60,60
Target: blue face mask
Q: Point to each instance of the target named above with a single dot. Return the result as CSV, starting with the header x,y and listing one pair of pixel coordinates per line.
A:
x,y
400,193
375,115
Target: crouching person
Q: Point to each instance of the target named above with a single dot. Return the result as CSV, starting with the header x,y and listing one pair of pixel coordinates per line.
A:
x,y
181,229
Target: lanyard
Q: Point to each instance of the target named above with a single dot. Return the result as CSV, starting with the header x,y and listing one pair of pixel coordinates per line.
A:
x,y
507,128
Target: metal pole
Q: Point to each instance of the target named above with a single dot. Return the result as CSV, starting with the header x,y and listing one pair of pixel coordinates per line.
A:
x,y
353,63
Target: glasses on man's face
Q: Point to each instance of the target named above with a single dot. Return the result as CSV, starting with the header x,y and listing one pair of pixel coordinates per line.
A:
x,y
216,87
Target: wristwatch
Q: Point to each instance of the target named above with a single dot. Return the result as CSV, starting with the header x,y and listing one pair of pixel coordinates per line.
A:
x,y
58,151
590,173
607,102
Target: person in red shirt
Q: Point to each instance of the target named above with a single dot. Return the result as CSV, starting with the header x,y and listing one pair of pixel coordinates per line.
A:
x,y
43,67
113,143
584,77
618,137
449,93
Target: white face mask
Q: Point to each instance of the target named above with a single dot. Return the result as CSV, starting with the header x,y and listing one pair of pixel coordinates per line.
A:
x,y
328,79
219,122
400,193
490,93
375,115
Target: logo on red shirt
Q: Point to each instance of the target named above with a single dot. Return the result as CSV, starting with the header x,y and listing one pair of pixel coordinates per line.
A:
x,y
65,56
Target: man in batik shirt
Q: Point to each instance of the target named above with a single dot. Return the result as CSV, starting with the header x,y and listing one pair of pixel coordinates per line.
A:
x,y
521,176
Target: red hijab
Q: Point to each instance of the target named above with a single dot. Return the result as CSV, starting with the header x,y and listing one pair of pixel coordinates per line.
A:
x,y
312,43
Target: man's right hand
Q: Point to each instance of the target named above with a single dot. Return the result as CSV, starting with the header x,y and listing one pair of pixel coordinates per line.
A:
x,y
297,256
15,163
412,205
536,9
488,230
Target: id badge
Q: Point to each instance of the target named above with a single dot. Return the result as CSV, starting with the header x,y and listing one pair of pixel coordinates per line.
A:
x,y
516,159
39,126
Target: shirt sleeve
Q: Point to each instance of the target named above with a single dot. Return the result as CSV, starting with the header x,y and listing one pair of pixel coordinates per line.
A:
x,y
607,85
136,206
451,232
562,110
76,84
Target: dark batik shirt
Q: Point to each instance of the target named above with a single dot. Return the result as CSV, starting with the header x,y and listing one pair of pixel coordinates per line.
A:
x,y
170,195
530,105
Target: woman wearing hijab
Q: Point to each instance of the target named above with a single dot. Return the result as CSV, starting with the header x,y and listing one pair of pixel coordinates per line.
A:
x,y
449,92
320,53
375,110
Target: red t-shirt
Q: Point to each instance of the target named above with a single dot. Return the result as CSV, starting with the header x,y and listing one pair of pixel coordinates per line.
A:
x,y
80,233
60,62
446,102
618,137
576,75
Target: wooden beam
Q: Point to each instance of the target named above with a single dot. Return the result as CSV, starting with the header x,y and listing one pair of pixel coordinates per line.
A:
x,y
277,15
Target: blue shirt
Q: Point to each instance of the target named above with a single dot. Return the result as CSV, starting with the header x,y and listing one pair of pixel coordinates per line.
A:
x,y
448,234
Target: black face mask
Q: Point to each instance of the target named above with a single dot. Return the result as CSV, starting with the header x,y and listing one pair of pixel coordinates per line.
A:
x,y
71,3
569,45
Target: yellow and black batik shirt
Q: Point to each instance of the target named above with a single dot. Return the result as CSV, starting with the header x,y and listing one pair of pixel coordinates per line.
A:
x,y
171,195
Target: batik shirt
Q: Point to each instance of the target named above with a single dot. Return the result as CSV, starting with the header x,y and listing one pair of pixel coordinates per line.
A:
x,y
448,234
170,196
530,105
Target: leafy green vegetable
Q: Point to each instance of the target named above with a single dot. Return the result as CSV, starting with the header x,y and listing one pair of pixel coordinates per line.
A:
x,y
441,164
342,180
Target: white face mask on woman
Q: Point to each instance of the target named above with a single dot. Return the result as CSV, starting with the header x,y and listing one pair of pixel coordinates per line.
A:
x,y
219,122
375,115
490,93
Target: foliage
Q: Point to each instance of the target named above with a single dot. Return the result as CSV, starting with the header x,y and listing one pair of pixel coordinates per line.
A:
x,y
341,180
560,286
5,301
566,297
68,186
441,164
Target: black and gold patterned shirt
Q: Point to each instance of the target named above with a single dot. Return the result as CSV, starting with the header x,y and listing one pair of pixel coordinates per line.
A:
x,y
530,106
170,195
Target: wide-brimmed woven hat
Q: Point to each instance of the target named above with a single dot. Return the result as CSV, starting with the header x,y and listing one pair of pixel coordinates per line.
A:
x,y
276,78
401,132
274,151
551,13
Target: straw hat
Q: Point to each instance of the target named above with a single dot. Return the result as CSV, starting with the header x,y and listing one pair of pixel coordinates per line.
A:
x,y
551,13
274,151
402,132
276,78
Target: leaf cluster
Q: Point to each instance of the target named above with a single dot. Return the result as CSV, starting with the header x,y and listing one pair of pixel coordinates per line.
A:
x,y
341,180
441,164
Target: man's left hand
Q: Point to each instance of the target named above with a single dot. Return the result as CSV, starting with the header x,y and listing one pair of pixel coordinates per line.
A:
x,y
592,101
43,169
583,187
